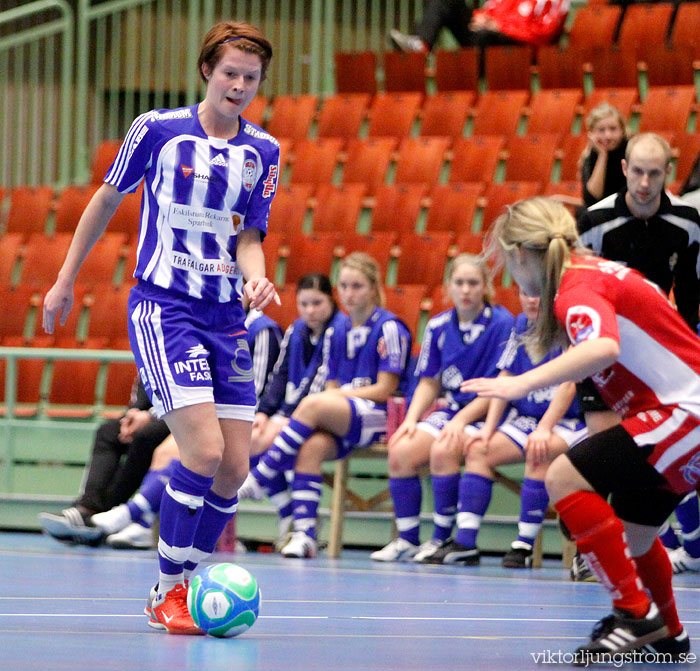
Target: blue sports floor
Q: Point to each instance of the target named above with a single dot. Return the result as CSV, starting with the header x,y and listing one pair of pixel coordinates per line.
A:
x,y
75,608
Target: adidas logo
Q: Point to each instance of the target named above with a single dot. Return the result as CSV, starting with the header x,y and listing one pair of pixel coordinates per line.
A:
x,y
219,160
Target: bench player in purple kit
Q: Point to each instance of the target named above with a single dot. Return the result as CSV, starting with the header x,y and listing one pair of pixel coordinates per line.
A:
x,y
209,177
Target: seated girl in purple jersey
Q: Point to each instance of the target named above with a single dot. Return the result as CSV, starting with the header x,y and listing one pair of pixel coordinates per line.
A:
x,y
536,429
300,370
367,363
208,179
464,342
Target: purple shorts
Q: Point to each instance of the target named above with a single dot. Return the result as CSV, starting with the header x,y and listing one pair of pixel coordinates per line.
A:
x,y
191,351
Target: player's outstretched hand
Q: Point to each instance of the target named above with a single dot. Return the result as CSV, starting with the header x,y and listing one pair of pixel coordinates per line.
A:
x,y
260,292
505,387
58,301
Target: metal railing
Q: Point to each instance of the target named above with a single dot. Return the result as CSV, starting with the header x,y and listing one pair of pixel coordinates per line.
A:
x,y
36,94
14,424
134,55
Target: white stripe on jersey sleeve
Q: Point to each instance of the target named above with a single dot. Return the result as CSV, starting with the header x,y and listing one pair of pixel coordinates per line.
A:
x,y
672,380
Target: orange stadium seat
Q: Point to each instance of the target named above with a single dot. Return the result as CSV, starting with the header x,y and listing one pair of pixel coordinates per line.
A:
x,y
453,207
508,68
469,242
623,98
531,157
688,151
559,68
70,206
423,257
255,112
126,218
570,193
338,207
121,377
285,313
613,67
102,158
439,301
29,373
311,254
499,112
315,161
17,302
29,209
686,25
666,66
397,207
74,382
553,111
645,26
108,313
291,116
595,26
288,209
502,194
406,302
509,298
378,245
445,114
404,71
570,156
421,159
272,249
666,109
10,246
70,328
43,257
475,159
368,161
342,115
355,72
393,114
101,263
457,69
285,151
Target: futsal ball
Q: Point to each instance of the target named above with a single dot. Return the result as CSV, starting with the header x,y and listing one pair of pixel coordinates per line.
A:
x,y
224,600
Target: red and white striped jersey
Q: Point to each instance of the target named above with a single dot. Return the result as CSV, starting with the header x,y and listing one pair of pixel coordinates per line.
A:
x,y
655,383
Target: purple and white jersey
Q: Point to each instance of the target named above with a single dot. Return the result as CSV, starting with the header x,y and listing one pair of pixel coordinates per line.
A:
x,y
199,193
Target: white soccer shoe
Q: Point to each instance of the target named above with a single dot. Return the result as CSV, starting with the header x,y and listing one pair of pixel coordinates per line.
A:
x,y
251,489
398,550
113,520
428,549
682,561
132,537
300,546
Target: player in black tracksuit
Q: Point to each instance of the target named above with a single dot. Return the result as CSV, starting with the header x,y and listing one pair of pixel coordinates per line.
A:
x,y
663,247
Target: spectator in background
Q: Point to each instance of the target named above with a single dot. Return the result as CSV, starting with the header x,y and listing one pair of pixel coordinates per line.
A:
x,y
648,230
121,456
498,22
601,161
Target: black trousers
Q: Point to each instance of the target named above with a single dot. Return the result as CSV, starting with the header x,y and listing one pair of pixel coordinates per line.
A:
x,y
116,469
454,15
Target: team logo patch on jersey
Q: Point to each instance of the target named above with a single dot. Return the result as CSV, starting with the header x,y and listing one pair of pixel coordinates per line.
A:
x,y
582,323
219,160
248,174
691,470
186,170
270,183
197,350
